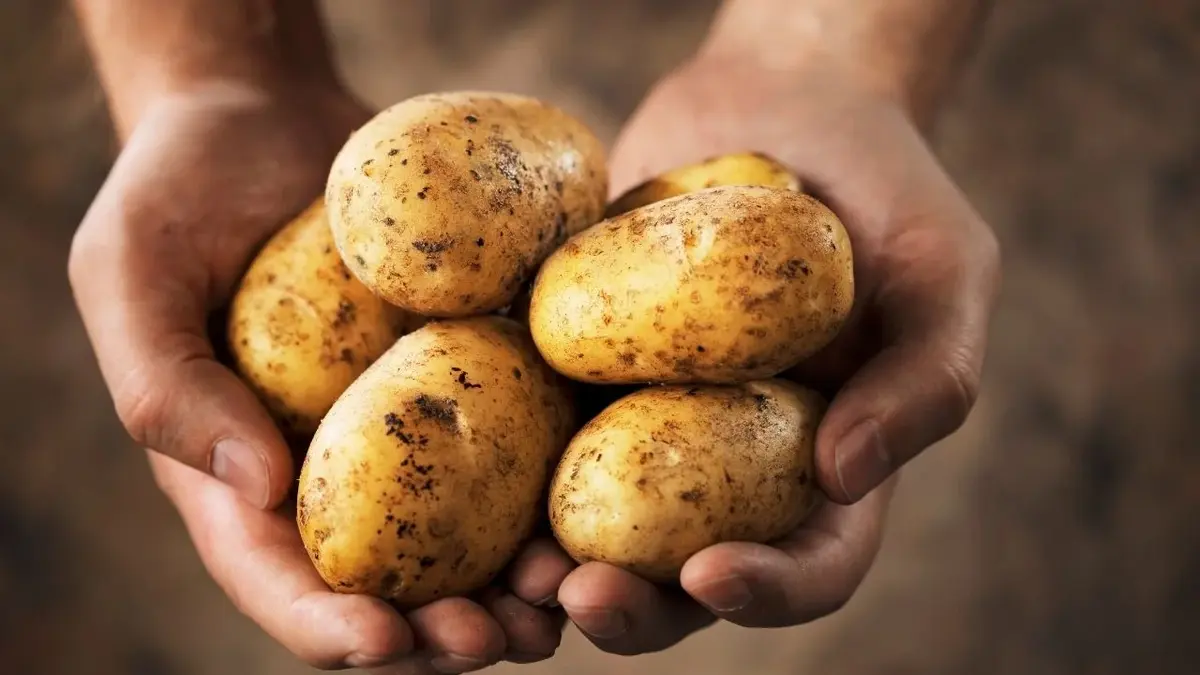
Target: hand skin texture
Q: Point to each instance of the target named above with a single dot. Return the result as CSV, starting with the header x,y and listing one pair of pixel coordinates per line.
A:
x,y
230,113
223,143
905,370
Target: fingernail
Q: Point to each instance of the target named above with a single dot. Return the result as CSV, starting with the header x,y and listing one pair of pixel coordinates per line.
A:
x,y
724,595
861,460
454,663
600,623
243,468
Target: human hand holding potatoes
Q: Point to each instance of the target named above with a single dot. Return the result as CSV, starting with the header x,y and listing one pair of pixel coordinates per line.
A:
x,y
902,370
428,449
215,203
202,181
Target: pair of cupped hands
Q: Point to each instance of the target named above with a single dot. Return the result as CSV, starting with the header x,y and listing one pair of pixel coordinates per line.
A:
x,y
210,171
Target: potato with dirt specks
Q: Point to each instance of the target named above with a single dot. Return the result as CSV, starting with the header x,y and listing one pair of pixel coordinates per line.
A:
x,y
668,471
728,284
740,168
431,469
301,327
445,204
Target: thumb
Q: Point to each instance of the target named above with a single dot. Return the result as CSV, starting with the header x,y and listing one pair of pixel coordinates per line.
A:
x,y
918,389
147,325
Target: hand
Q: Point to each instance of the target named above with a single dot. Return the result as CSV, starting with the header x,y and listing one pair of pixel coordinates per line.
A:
x,y
905,368
205,177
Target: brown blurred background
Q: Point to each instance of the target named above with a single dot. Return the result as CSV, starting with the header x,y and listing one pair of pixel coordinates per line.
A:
x,y
1055,534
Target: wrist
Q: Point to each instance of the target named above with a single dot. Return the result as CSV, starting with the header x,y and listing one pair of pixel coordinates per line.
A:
x,y
905,51
146,50
315,97
826,79
142,89
805,55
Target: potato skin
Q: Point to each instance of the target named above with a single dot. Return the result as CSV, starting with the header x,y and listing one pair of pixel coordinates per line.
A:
x,y
445,204
301,327
740,168
725,285
431,469
668,471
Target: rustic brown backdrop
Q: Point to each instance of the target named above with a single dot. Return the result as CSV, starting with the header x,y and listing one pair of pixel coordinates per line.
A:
x,y
1054,535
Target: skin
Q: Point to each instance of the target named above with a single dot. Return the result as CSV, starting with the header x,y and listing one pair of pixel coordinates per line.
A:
x,y
840,92
668,471
730,284
209,98
446,203
229,116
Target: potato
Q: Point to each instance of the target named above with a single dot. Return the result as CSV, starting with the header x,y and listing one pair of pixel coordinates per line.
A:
x,y
668,471
301,327
431,469
742,168
725,285
445,204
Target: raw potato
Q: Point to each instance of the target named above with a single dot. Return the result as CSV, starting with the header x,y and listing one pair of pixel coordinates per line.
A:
x,y
728,284
668,471
301,327
445,204
431,469
742,168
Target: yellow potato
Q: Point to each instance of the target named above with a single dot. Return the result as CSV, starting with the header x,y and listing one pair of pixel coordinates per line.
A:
x,y
445,204
668,471
301,327
742,168
431,469
728,284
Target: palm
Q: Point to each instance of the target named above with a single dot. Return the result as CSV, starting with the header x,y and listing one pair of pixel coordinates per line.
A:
x,y
225,175
202,182
902,368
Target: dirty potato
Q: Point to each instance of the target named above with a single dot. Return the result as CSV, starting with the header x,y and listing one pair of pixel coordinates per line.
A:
x,y
668,471
431,469
728,284
301,327
445,204
741,168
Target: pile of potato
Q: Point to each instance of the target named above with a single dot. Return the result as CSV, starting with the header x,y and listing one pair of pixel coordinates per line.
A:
x,y
434,328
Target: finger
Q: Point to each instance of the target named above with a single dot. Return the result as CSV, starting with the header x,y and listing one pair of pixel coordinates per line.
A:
x,y
917,389
259,561
538,571
145,313
459,635
530,634
812,573
625,614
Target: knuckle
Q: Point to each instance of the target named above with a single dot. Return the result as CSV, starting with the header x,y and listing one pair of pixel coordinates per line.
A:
x,y
961,384
147,397
141,406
